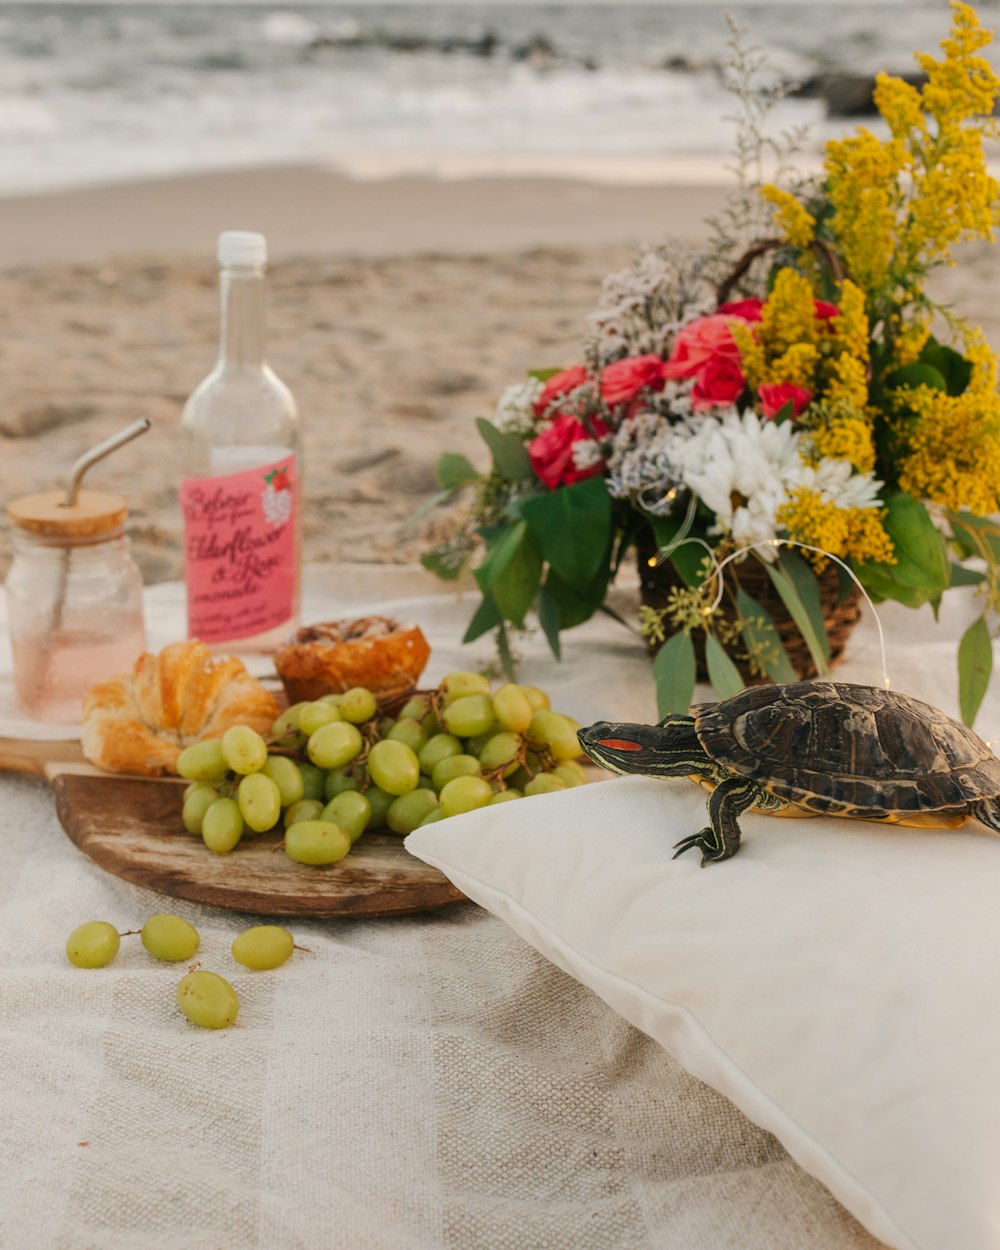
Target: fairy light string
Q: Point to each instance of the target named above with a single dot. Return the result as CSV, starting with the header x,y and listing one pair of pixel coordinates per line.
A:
x,y
773,544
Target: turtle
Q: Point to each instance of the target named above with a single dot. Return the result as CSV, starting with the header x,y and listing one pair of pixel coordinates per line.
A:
x,y
811,748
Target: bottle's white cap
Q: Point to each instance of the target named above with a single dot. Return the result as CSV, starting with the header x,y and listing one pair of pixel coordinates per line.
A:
x,y
242,247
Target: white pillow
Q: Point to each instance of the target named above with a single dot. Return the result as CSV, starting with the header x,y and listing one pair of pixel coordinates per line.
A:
x,y
838,980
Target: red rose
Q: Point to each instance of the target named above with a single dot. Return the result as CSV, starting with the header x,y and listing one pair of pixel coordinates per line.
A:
x,y
824,310
280,480
721,381
775,396
746,309
558,387
698,343
622,381
552,451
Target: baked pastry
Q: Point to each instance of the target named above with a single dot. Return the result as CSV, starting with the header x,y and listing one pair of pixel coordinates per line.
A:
x,y
382,654
139,722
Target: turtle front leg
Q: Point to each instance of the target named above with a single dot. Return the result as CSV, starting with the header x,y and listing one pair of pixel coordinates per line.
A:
x,y
721,838
987,811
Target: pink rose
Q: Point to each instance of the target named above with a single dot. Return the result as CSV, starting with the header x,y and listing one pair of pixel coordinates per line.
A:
x,y
622,381
698,343
777,395
745,309
721,381
552,451
558,387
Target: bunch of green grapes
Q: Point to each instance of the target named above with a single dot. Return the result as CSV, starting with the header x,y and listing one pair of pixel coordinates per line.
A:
x,y
337,767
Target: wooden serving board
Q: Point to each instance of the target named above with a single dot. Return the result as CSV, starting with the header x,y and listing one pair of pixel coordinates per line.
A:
x,y
132,827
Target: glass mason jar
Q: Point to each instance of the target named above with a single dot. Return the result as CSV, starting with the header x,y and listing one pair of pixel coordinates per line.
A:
x,y
74,600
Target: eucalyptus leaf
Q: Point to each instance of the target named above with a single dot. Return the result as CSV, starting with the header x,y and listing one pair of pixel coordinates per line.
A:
x,y
550,618
763,640
961,576
674,671
722,672
441,565
922,569
573,528
509,452
506,658
435,501
511,572
576,603
543,375
454,470
486,617
975,664
796,583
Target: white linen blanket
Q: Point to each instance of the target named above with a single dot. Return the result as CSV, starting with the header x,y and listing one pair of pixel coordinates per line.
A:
x,y
425,1082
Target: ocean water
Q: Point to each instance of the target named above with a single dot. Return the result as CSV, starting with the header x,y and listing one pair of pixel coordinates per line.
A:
x,y
101,92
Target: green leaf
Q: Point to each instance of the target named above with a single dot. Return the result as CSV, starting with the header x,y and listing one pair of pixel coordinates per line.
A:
x,y
435,501
511,572
506,658
550,617
722,672
763,640
440,565
922,569
961,576
674,671
486,617
951,365
687,558
576,603
975,664
796,583
454,471
543,375
573,527
916,374
509,452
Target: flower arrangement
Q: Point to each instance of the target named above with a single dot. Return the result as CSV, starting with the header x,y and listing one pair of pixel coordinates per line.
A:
x,y
769,413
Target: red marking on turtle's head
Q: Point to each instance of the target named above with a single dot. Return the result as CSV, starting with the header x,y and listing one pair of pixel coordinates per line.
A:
x,y
620,744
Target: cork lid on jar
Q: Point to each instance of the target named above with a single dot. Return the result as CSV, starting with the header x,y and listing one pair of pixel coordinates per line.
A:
x,y
50,516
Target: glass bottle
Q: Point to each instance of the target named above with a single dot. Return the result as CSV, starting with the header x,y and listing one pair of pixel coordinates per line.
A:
x,y
74,600
241,491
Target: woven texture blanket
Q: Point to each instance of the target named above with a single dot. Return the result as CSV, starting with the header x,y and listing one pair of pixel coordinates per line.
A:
x,y
425,1082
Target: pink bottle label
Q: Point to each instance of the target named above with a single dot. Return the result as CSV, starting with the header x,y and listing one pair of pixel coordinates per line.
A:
x,y
239,544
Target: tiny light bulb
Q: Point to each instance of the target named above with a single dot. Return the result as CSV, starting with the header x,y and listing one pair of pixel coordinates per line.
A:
x,y
652,562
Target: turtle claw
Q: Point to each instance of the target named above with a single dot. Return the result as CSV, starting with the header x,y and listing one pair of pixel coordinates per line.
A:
x,y
704,840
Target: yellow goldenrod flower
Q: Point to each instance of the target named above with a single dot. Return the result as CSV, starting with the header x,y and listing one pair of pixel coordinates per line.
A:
x,y
899,103
851,326
810,518
951,448
791,217
842,433
848,383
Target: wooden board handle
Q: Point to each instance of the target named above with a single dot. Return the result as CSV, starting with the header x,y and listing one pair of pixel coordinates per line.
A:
x,y
40,759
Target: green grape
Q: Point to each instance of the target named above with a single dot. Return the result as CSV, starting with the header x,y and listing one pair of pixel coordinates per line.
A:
x,y
243,749
458,685
313,781
409,731
259,801
502,751
170,938
430,724
512,709
438,748
555,732
545,783
415,708
304,809
208,1000
383,725
425,782
287,722
314,716
536,698
335,745
93,945
286,776
351,811
337,781
197,801
358,705
570,772
333,699
505,796
393,767
409,810
465,794
380,801
475,744
452,767
203,761
316,842
470,715
222,827
264,946
432,817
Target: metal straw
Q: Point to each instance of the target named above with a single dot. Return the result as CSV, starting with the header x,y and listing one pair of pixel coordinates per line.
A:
x,y
99,452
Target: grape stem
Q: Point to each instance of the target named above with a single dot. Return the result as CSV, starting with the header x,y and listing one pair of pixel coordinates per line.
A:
x,y
297,947
129,932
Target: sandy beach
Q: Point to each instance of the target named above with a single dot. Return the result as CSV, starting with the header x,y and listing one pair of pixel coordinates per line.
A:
x,y
398,312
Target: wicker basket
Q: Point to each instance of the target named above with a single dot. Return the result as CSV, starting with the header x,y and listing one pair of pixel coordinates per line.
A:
x,y
840,610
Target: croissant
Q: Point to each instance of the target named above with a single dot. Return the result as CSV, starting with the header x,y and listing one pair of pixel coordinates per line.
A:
x,y
139,722
382,654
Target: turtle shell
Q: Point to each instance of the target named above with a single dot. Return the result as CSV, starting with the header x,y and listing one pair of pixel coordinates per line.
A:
x,y
849,750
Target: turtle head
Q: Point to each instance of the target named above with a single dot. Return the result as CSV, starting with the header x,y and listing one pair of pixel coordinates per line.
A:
x,y
627,748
